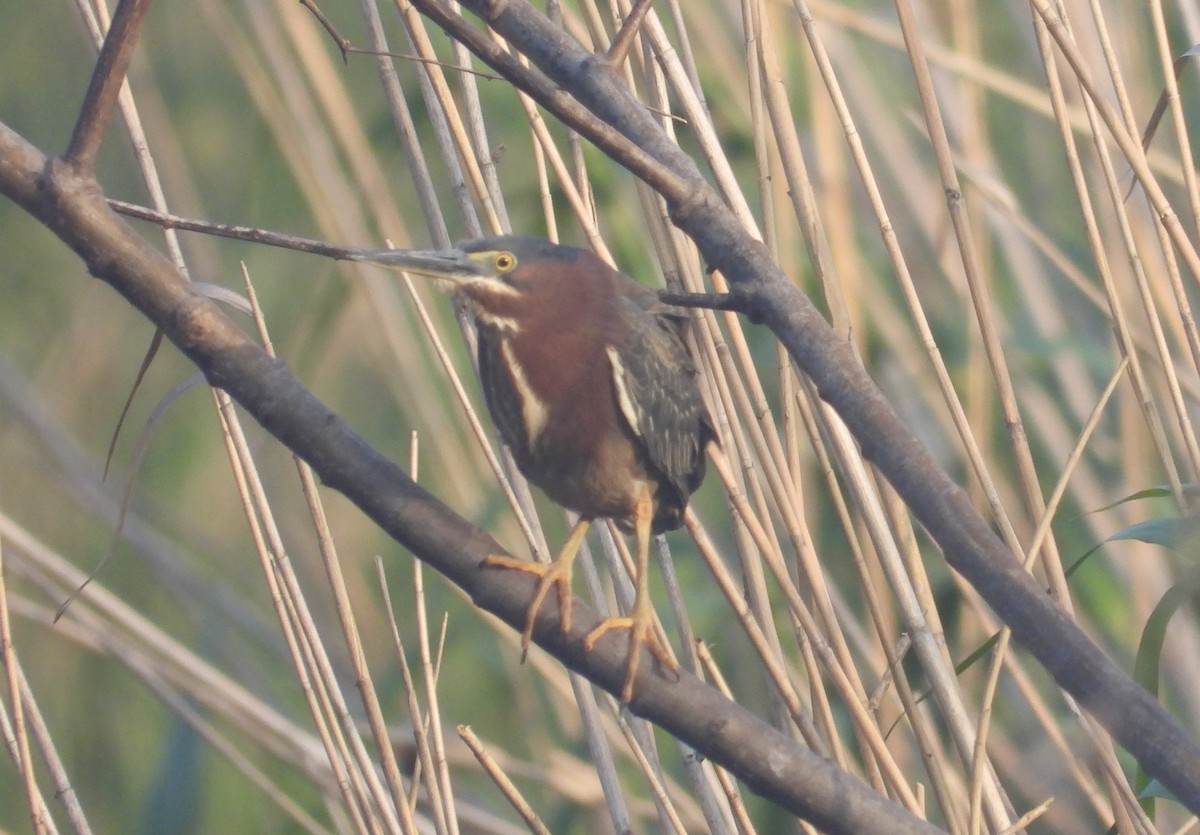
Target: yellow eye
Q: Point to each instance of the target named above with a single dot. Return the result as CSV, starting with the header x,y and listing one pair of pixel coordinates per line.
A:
x,y
505,262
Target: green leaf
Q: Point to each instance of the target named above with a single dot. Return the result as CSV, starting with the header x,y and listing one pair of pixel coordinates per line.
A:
x,y
1170,533
1149,655
1155,789
1161,492
1145,667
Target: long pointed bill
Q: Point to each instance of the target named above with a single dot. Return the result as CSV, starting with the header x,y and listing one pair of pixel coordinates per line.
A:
x,y
449,264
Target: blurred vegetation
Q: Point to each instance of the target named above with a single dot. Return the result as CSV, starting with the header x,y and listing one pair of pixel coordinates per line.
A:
x,y
253,119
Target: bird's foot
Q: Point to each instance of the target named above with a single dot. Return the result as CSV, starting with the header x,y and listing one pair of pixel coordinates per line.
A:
x,y
553,574
641,631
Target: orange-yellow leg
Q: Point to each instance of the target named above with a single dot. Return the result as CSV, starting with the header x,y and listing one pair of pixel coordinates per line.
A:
x,y
640,621
555,573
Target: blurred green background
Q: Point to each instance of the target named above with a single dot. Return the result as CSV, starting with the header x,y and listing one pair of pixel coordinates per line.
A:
x,y
254,120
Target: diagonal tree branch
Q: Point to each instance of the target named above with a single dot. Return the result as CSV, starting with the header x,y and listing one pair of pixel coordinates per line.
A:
x,y
98,104
1127,711
74,208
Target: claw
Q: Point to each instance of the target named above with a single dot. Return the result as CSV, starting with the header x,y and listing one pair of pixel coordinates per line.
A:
x,y
556,574
641,632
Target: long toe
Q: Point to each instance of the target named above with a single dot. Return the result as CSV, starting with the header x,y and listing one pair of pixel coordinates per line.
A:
x,y
641,633
556,574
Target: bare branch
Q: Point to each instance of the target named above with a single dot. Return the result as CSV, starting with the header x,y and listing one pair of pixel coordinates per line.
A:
x,y
105,85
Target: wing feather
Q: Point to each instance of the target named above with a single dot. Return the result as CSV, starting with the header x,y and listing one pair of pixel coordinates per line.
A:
x,y
657,395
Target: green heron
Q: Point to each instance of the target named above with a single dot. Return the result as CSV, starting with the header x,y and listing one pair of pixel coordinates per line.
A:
x,y
588,380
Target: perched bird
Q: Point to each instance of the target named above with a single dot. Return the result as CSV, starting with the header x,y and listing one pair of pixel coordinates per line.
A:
x,y
587,378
